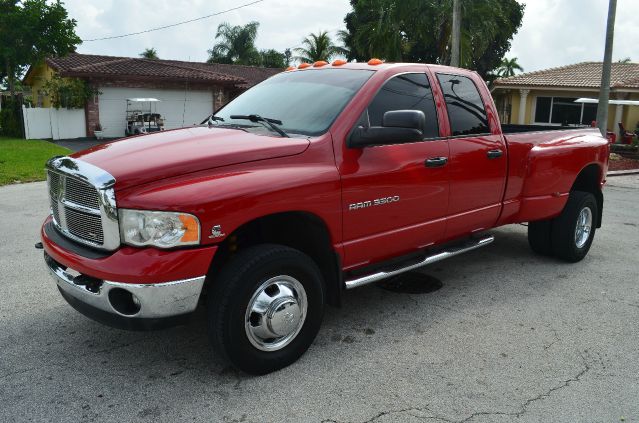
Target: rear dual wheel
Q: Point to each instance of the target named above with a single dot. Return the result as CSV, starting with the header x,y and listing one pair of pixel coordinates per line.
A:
x,y
569,235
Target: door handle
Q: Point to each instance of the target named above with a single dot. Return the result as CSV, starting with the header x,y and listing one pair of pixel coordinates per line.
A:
x,y
494,154
436,162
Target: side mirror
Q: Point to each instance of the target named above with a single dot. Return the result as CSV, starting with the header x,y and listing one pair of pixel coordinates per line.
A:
x,y
398,127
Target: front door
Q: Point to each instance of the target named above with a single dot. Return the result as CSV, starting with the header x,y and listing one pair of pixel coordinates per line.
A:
x,y
393,203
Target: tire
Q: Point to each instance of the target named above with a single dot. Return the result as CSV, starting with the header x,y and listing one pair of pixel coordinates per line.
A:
x,y
567,244
239,333
540,237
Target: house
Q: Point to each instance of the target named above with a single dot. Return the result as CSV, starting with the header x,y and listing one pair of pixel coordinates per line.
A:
x,y
188,91
547,97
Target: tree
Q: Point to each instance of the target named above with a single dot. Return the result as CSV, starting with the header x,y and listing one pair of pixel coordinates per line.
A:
x,y
236,45
508,67
31,30
272,59
318,47
421,31
149,53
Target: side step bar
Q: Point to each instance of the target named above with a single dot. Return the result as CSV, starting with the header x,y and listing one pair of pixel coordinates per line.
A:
x,y
470,245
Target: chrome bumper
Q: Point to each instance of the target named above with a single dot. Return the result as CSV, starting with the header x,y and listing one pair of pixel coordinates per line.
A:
x,y
147,301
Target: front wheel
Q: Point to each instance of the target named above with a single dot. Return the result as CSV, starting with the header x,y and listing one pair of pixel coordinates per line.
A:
x,y
574,229
265,308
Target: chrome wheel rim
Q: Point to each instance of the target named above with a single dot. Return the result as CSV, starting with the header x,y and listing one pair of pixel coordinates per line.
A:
x,y
584,226
276,313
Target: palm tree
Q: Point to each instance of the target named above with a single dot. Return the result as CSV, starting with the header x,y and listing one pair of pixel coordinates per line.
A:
x,y
149,53
318,47
344,36
508,67
237,44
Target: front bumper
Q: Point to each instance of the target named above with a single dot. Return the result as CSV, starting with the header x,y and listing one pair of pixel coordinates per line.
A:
x,y
127,305
131,288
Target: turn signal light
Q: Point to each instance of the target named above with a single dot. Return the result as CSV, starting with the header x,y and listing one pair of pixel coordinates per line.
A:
x,y
303,65
375,62
192,228
339,62
320,63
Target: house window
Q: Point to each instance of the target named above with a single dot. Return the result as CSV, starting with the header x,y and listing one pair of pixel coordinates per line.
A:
x,y
564,111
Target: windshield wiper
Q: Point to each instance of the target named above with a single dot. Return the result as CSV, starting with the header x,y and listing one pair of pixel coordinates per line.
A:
x,y
209,120
271,123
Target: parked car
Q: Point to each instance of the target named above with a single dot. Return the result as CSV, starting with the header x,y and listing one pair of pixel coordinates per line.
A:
x,y
315,181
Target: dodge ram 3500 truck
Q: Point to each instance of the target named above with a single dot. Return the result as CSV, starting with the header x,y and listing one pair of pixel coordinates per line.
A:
x,y
320,179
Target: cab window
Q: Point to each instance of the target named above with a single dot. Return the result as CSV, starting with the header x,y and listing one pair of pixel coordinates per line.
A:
x,y
406,92
466,111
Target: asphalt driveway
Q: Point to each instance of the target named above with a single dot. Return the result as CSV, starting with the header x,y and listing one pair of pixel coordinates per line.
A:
x,y
509,337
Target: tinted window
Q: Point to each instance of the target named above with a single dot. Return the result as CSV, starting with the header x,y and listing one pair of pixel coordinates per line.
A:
x,y
406,92
542,110
466,111
307,102
565,111
589,114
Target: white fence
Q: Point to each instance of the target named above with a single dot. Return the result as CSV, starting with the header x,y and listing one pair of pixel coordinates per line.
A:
x,y
47,123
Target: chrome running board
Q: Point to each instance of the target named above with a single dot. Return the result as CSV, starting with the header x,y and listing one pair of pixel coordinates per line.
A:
x,y
446,253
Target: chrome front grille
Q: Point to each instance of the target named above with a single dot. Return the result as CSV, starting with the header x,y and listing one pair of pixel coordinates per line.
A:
x,y
81,193
83,202
84,225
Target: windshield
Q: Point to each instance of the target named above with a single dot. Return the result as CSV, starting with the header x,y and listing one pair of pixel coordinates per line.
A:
x,y
307,102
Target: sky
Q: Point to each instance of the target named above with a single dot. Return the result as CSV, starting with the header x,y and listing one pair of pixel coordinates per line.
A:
x,y
553,32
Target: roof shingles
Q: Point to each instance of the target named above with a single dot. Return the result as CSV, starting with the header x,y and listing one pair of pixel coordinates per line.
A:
x,y
89,65
579,75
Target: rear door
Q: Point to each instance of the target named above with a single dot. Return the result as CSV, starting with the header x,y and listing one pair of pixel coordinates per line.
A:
x,y
478,162
393,203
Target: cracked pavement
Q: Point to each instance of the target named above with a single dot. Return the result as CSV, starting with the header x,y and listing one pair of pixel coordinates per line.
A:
x,y
509,337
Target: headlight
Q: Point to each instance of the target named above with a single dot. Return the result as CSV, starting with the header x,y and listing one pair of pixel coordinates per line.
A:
x,y
158,229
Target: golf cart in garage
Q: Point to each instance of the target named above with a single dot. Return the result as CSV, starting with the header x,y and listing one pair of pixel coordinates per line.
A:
x,y
142,116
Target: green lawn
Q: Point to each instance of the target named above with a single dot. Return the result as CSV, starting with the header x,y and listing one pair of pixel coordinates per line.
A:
x,y
23,160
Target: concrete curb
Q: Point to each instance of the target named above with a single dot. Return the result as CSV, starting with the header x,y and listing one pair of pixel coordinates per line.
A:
x,y
622,172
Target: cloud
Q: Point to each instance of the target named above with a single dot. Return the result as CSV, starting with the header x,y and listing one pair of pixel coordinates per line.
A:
x,y
554,32
557,33
283,24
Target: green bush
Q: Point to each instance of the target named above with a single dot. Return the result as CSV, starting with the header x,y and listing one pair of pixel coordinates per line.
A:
x,y
69,93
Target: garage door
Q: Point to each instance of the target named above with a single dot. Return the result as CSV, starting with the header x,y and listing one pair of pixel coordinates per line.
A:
x,y
178,108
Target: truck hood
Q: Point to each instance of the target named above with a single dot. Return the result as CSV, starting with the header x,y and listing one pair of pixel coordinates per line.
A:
x,y
146,158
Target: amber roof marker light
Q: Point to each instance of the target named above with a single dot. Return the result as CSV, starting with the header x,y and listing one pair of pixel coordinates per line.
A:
x,y
375,62
320,63
303,65
339,62
290,68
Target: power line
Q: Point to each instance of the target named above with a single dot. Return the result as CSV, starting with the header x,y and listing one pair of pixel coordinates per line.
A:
x,y
175,24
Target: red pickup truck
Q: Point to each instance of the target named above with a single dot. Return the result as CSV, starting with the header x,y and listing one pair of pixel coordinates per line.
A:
x,y
317,180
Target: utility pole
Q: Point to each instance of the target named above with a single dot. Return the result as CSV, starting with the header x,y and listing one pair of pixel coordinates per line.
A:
x,y
604,92
287,56
456,33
